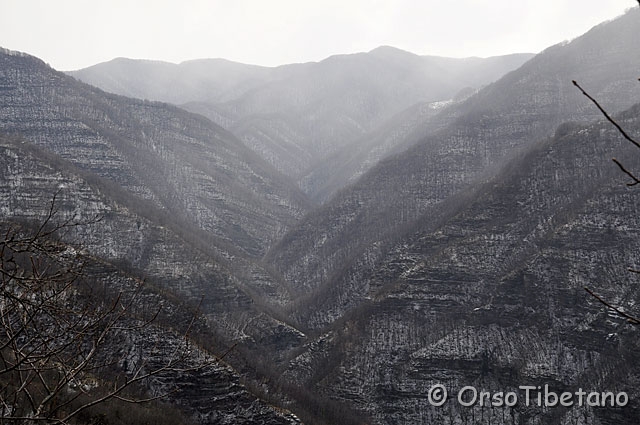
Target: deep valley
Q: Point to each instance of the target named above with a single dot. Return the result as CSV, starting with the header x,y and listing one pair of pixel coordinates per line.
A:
x,y
324,242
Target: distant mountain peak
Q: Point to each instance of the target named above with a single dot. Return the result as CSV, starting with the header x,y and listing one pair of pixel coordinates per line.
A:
x,y
390,52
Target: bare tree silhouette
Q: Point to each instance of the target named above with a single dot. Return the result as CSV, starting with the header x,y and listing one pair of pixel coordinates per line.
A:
x,y
55,354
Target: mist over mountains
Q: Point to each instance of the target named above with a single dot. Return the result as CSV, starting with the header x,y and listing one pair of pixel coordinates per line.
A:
x,y
297,116
355,230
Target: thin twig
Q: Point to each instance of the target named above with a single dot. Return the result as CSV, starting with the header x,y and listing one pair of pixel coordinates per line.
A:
x,y
628,173
228,351
619,312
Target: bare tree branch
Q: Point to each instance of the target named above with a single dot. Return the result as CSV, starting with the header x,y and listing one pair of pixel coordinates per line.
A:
x,y
607,116
627,172
54,336
630,319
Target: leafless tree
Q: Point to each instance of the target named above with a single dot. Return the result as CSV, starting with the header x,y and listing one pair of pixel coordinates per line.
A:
x,y
56,336
634,181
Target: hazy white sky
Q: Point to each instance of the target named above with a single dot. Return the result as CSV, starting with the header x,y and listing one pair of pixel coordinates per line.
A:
x,y
71,34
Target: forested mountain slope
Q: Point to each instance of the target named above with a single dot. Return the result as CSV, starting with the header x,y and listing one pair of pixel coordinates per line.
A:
x,y
183,204
178,161
334,243
126,244
488,291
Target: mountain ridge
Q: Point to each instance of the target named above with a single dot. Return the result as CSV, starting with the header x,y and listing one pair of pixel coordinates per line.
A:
x,y
296,116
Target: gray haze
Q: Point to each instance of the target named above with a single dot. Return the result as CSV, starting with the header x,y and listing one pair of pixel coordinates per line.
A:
x,y
73,34
305,118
